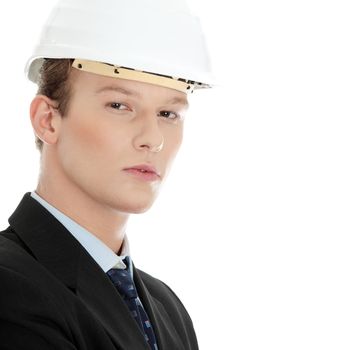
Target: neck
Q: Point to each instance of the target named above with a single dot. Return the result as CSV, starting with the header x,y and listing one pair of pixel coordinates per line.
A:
x,y
104,222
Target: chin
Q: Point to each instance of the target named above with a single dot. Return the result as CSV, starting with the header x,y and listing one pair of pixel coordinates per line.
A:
x,y
137,206
139,210
130,201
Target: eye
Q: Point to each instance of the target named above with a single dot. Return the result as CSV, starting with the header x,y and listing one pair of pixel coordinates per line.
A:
x,y
118,106
168,115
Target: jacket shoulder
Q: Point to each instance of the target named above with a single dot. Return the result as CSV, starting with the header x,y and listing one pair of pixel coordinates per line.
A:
x,y
22,278
171,303
27,305
13,251
159,289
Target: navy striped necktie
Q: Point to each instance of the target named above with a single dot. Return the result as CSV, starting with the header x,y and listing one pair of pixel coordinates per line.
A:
x,y
124,283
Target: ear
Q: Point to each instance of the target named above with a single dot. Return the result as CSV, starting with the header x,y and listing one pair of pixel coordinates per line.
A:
x,y
45,118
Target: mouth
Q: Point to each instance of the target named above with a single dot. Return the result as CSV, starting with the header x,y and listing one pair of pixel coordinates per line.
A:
x,y
144,172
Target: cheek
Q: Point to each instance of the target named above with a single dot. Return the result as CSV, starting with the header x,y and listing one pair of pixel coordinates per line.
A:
x,y
91,135
88,147
173,141
176,138
79,139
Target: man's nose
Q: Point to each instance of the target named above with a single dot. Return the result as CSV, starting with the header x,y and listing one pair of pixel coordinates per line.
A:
x,y
149,136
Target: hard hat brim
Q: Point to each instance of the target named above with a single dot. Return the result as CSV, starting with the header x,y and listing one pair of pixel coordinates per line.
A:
x,y
105,69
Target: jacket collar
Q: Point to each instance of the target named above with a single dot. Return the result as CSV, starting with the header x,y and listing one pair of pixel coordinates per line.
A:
x,y
48,240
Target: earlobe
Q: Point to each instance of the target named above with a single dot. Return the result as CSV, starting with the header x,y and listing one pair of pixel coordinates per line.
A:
x,y
45,119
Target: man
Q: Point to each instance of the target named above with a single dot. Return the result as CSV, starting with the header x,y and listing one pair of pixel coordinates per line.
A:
x,y
108,119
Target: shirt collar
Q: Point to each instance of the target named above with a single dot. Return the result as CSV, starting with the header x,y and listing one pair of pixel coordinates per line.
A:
x,y
103,255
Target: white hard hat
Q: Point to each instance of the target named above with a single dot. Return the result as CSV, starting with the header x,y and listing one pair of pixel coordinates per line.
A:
x,y
131,39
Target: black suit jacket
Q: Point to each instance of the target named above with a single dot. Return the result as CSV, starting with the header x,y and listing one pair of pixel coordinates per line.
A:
x,y
53,295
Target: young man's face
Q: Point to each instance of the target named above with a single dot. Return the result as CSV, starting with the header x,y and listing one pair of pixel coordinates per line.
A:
x,y
112,125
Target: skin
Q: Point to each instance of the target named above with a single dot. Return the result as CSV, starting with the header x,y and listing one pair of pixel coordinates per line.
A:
x,y
111,124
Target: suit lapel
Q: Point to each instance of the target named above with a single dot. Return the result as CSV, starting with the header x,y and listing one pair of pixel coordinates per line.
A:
x,y
166,334
60,253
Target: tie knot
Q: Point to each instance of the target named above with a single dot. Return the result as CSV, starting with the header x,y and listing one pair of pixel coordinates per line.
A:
x,y
123,281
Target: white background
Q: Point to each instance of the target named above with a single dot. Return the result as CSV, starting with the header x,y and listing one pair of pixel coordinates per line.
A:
x,y
252,227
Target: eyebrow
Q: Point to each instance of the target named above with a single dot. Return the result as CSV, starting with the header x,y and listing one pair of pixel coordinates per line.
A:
x,y
174,100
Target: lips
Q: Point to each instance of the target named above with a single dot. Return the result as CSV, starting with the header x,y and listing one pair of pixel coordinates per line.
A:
x,y
145,172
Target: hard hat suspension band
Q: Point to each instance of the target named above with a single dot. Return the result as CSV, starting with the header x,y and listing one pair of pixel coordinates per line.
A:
x,y
109,70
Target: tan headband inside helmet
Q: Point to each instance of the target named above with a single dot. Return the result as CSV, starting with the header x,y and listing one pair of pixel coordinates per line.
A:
x,y
183,85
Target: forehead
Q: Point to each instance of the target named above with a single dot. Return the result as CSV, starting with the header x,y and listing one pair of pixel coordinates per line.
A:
x,y
99,84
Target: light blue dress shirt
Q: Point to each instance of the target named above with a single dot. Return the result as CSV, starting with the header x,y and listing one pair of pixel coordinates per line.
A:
x,y
103,255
